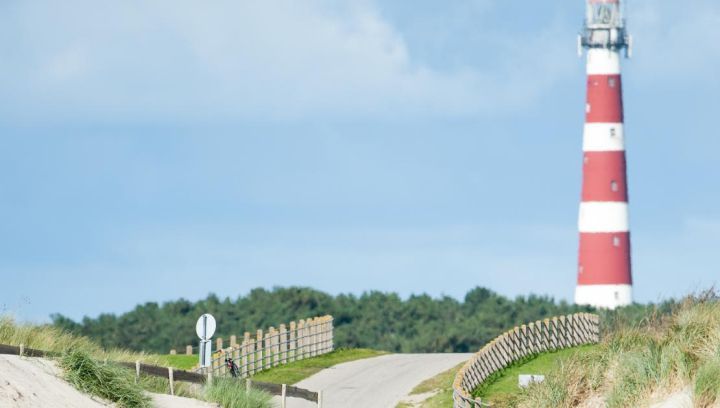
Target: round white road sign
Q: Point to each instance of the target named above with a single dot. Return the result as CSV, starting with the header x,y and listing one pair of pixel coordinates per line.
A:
x,y
205,326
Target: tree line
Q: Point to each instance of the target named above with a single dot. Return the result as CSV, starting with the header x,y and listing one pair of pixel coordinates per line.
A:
x,y
377,320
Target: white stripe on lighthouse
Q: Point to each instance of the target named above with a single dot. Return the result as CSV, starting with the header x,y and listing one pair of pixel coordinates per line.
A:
x,y
604,137
609,296
603,62
603,216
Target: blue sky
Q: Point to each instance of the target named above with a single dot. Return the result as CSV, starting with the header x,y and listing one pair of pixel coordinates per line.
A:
x,y
157,150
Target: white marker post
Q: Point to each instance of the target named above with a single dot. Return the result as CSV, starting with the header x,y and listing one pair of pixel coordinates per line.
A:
x,y
205,328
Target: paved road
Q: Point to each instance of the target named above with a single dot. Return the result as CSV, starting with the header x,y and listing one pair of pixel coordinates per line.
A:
x,y
377,382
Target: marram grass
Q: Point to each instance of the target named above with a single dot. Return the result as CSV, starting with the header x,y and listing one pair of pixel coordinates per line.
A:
x,y
636,365
107,381
83,363
51,339
231,393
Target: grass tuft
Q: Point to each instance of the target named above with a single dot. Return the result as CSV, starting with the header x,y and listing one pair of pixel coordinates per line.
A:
x,y
109,382
707,383
231,393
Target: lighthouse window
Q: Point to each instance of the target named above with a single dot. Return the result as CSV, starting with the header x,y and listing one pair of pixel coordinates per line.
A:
x,y
612,132
616,241
617,295
614,186
611,82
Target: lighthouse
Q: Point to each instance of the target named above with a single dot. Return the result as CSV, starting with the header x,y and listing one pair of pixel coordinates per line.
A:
x,y
604,276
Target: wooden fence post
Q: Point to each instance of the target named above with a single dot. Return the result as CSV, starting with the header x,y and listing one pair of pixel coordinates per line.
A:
x,y
267,350
137,371
236,353
22,349
283,394
301,339
321,336
258,347
292,350
219,344
170,378
188,350
245,351
214,364
173,352
283,344
314,338
325,334
233,341
275,340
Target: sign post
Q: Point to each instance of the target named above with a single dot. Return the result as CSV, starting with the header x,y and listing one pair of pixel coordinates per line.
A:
x,y
205,328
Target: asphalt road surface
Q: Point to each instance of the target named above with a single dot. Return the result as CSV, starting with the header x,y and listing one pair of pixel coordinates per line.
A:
x,y
378,382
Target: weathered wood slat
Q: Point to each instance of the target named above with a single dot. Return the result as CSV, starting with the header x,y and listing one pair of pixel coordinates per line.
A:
x,y
526,340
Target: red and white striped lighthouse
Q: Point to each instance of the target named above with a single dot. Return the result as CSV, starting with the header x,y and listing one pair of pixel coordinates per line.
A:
x,y
604,276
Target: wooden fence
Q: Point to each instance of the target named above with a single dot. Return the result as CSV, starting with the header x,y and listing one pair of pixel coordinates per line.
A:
x,y
524,341
173,375
274,347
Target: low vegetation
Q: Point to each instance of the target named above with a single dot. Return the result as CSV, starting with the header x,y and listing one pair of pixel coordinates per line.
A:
x,y
89,368
638,364
107,381
437,391
294,372
502,388
230,393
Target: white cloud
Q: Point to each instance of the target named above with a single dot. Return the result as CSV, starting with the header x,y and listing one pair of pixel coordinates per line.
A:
x,y
276,59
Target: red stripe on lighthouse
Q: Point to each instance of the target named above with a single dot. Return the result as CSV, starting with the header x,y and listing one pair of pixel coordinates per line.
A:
x,y
604,259
604,176
604,99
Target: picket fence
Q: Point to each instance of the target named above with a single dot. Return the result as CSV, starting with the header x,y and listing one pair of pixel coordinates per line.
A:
x,y
520,342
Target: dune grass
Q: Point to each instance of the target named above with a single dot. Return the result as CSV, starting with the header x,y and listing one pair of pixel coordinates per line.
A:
x,y
296,371
642,363
51,339
502,388
230,393
106,381
42,337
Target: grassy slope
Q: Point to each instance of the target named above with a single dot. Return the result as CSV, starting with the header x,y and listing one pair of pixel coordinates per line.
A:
x,y
179,361
639,365
296,371
501,389
504,387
